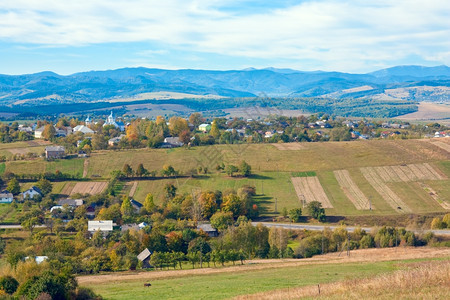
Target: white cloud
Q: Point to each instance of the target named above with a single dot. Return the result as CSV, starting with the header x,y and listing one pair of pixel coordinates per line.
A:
x,y
342,35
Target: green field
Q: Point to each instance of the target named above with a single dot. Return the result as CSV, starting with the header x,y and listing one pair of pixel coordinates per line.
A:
x,y
272,170
224,285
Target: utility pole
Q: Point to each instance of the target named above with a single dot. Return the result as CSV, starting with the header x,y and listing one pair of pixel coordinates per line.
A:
x,y
322,242
348,244
370,203
276,200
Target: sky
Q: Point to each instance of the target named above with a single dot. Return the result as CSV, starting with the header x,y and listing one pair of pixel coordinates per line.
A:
x,y
69,36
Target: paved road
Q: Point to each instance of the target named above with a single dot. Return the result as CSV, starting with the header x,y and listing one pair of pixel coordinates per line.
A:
x,y
349,228
18,226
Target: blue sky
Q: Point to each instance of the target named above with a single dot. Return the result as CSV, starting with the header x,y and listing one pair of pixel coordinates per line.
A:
x,y
352,36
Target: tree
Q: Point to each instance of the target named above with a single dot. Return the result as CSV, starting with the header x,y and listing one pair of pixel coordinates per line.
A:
x,y
8,284
438,224
230,170
245,169
13,186
127,170
185,136
177,125
215,130
49,132
149,204
221,220
45,186
126,208
141,171
57,286
316,211
170,191
196,119
295,214
168,170
233,204
366,242
208,204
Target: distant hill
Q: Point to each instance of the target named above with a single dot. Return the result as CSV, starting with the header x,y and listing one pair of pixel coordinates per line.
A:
x,y
415,83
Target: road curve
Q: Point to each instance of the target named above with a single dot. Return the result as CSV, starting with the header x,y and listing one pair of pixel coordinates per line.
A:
x,y
349,228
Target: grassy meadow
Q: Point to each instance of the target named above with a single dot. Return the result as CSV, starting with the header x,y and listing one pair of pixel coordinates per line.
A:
x,y
259,278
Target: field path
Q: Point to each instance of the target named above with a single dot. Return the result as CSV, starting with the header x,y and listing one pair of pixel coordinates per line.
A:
x,y
133,189
311,189
85,167
351,190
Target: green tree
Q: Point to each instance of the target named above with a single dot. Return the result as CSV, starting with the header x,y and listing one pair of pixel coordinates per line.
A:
x,y
141,171
170,191
438,224
295,214
233,204
366,242
9,284
221,220
126,208
149,203
230,170
45,186
168,170
316,211
13,186
57,286
245,169
127,170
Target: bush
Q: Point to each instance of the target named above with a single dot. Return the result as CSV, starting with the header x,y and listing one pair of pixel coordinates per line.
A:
x,y
438,224
366,242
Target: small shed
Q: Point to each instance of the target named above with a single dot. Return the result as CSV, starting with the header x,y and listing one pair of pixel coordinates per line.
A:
x,y
144,257
208,229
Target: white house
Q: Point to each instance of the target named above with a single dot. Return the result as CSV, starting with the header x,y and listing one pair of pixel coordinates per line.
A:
x,y
103,226
83,129
31,193
6,197
38,132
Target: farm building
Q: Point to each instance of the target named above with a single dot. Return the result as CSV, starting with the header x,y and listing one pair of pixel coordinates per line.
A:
x,y
126,227
52,152
83,129
144,257
90,212
103,226
6,197
71,202
172,142
63,131
32,192
208,229
204,127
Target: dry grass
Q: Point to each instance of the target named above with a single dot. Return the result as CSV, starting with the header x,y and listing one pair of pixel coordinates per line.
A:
x,y
442,145
351,190
365,255
311,189
92,188
426,280
289,146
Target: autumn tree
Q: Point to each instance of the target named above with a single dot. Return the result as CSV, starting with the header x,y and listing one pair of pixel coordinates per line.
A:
x,y
177,125
215,130
149,203
141,171
127,170
196,119
126,208
233,204
208,204
49,132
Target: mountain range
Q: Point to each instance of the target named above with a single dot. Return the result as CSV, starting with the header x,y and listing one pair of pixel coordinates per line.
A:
x,y
415,83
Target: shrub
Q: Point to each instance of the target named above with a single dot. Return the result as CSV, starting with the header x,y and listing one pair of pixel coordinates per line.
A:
x,y
9,284
366,242
438,224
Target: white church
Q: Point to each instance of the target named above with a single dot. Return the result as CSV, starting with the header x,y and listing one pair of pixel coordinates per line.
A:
x,y
112,121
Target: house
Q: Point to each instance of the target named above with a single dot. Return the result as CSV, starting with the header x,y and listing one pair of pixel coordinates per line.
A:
x,y
142,225
53,152
6,197
38,132
90,212
204,127
126,227
63,131
83,129
208,229
144,257
103,226
38,259
26,129
172,142
71,202
269,134
32,192
136,205
115,141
